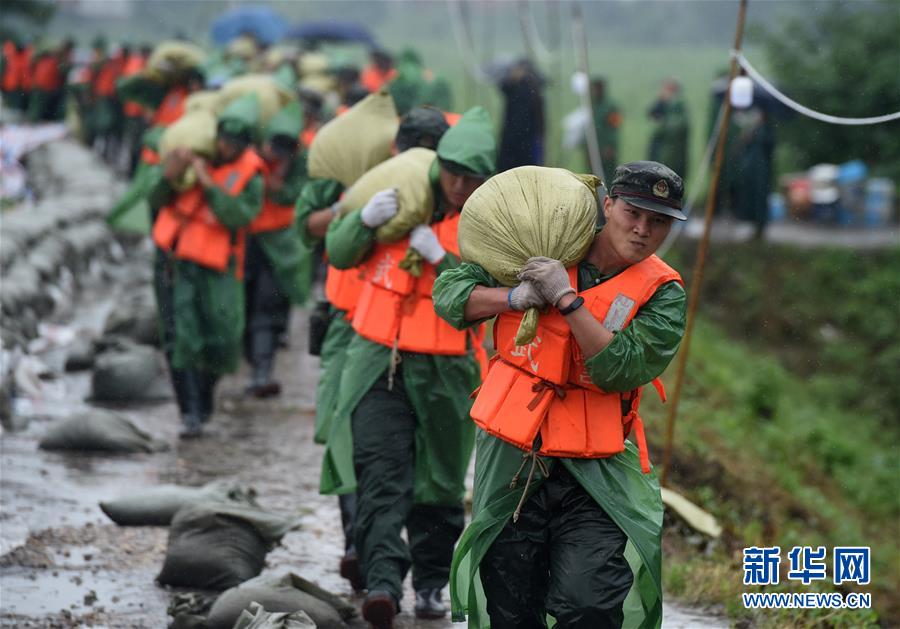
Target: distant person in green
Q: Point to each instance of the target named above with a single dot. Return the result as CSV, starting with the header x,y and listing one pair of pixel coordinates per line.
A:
x,y
416,85
607,121
671,128
203,229
316,209
277,266
582,533
400,436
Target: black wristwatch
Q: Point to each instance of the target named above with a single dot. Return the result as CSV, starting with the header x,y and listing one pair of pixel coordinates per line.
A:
x,y
577,303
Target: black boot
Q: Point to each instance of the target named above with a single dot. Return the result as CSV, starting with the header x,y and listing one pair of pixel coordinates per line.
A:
x,y
192,413
429,604
379,609
261,383
207,395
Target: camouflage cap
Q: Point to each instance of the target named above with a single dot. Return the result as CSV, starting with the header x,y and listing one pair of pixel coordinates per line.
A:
x,y
650,186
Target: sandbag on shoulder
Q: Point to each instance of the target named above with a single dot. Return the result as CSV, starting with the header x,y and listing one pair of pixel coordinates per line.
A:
x,y
171,61
408,172
99,431
280,593
258,618
526,212
156,506
195,130
272,96
217,545
351,144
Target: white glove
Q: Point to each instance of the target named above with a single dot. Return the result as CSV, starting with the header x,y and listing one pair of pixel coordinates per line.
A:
x,y
525,296
380,208
423,240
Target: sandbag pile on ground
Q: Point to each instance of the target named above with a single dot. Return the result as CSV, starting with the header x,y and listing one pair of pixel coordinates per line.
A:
x,y
408,172
526,212
281,593
99,431
134,317
258,618
156,506
80,355
216,545
352,143
130,373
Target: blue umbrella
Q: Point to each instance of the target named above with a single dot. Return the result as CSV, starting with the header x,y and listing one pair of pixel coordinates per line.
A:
x,y
260,21
333,30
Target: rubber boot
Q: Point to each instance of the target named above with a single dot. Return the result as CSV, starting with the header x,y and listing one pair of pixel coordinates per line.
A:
x,y
261,383
207,395
191,416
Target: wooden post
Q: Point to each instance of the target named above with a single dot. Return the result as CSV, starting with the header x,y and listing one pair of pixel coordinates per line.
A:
x,y
702,248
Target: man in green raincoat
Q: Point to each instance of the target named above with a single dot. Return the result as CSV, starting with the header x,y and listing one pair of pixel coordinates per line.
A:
x,y
581,541
607,121
277,266
399,435
669,141
201,307
421,127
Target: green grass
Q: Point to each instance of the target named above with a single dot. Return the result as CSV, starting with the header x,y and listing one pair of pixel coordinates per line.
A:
x,y
773,435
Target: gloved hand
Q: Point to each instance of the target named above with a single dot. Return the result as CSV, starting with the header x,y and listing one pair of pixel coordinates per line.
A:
x,y
380,208
525,296
549,276
423,240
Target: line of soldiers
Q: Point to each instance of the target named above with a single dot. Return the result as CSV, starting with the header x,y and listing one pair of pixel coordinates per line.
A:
x,y
402,356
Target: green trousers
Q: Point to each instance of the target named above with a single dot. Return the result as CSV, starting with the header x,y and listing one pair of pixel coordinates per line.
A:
x,y
385,431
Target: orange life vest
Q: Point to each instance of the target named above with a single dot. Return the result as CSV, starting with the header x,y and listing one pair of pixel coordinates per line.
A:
x,y
15,73
395,308
190,229
272,217
452,118
150,156
343,288
544,388
133,65
46,76
373,79
105,81
308,135
171,108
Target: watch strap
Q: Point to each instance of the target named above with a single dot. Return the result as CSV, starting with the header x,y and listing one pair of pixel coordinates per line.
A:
x,y
577,303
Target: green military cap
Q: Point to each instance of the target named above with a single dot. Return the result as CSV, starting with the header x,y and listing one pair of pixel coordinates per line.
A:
x,y
241,118
650,186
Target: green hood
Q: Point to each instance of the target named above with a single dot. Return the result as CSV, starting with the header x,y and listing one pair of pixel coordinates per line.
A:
x,y
470,143
288,121
409,55
285,76
241,116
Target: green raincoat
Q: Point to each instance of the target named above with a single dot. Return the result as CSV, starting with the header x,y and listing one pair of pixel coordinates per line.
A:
x,y
209,305
289,256
636,355
132,213
316,195
438,387
607,121
669,141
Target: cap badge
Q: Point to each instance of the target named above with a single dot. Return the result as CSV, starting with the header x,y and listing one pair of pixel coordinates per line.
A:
x,y
661,189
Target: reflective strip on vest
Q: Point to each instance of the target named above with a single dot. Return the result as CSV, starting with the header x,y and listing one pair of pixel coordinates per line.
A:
x,y
190,229
395,307
544,387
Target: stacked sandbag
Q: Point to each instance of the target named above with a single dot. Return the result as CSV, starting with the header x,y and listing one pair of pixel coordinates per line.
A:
x,y
134,317
273,97
352,143
408,172
171,61
281,593
314,70
130,373
156,506
258,618
99,431
216,545
526,212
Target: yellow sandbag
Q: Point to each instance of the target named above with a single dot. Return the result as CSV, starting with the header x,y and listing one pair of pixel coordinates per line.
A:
x,y
408,173
171,60
205,100
313,63
195,130
526,212
319,83
272,96
353,143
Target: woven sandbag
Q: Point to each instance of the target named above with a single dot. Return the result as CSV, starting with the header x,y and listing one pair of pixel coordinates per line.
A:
x,y
526,212
408,173
171,60
272,96
313,63
351,144
205,100
195,130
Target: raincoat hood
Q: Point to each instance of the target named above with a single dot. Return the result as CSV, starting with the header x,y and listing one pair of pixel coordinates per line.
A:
x,y
287,122
470,143
241,116
285,76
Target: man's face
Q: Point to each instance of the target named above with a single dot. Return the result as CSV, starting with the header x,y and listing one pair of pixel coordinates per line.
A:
x,y
633,233
458,188
227,150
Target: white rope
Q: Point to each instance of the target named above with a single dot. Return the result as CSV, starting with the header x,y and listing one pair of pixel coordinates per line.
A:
x,y
806,111
696,183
